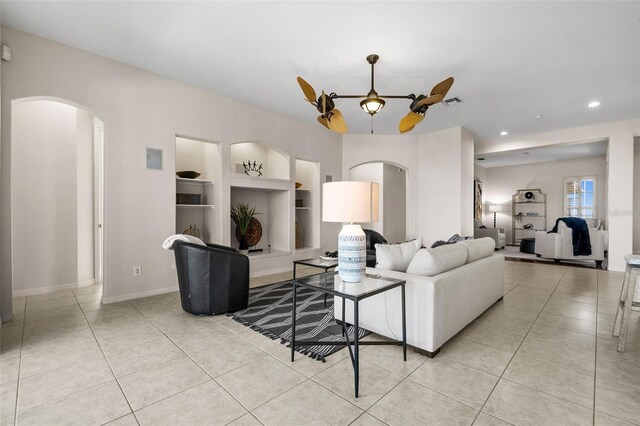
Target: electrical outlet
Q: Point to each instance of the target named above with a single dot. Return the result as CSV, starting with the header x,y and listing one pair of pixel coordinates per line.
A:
x,y
137,271
173,267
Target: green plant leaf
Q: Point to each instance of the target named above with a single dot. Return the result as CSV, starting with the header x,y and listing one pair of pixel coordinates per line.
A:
x,y
241,214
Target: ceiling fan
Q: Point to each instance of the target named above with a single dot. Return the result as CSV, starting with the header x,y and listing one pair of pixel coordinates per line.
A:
x,y
331,117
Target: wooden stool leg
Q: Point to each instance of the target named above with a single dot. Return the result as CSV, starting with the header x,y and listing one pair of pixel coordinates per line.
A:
x,y
623,296
626,312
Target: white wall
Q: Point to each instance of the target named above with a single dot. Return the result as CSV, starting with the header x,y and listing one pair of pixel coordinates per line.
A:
x,y
401,150
636,195
446,184
85,194
466,182
395,203
372,172
620,189
53,196
500,183
439,169
141,109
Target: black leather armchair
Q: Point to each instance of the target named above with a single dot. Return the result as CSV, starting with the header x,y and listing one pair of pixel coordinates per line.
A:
x,y
373,238
212,279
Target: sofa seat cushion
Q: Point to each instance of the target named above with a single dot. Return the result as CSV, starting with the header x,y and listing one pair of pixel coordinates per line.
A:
x,y
396,257
479,248
433,261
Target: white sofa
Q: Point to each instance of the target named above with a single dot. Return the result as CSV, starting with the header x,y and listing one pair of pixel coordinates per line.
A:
x,y
559,246
467,278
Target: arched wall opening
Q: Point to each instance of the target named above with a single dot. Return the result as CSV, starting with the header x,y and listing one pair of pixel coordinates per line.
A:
x,y
393,197
57,196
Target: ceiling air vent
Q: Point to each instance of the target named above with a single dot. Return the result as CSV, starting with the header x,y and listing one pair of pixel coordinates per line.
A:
x,y
452,101
481,158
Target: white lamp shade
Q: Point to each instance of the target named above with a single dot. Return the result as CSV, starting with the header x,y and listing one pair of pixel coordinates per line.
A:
x,y
350,202
495,208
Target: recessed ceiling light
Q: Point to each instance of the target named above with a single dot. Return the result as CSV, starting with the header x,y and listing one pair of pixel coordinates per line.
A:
x,y
537,116
504,133
593,104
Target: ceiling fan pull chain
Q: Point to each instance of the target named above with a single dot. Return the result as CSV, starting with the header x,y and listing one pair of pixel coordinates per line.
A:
x,y
372,124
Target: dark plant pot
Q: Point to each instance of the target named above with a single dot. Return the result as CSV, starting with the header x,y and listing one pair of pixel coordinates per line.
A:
x,y
243,243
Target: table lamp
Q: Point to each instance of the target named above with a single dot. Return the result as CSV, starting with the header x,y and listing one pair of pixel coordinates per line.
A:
x,y
349,202
494,208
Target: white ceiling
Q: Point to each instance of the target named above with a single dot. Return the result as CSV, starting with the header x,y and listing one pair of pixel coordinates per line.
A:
x,y
511,60
540,155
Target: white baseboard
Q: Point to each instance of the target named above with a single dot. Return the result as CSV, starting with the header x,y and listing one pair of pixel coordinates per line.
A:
x,y
139,295
86,283
50,289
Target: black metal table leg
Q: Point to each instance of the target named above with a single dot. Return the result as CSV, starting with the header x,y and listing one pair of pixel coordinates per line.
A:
x,y
293,322
344,320
356,351
404,326
325,285
294,271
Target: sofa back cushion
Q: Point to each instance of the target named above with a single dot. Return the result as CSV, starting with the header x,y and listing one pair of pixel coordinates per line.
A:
x,y
434,261
396,257
479,248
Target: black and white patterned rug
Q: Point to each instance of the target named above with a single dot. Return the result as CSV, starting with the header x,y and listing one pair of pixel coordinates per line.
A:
x,y
269,313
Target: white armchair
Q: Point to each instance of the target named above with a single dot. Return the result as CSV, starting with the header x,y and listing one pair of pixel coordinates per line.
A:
x,y
498,234
560,246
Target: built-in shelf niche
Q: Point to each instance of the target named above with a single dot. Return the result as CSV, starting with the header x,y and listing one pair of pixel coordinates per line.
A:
x,y
273,206
204,158
275,165
307,205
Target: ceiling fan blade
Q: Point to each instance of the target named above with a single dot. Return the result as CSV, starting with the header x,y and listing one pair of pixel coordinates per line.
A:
x,y
323,120
308,91
409,121
442,88
428,101
337,123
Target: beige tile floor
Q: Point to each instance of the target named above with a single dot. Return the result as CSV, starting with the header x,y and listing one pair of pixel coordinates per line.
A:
x,y
544,355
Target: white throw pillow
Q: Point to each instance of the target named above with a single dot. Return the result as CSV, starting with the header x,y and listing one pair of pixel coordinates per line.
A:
x,y
168,243
433,261
396,257
479,248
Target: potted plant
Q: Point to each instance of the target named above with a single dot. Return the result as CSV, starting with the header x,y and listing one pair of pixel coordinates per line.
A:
x,y
242,214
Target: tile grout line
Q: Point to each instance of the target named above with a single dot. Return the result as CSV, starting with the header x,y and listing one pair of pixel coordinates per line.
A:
x,y
192,360
404,379
559,366
24,322
307,378
518,348
106,360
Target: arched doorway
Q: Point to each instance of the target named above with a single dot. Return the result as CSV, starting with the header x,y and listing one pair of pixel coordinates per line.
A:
x,y
393,197
57,180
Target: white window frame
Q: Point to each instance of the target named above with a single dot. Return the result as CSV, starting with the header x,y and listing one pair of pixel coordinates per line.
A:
x,y
580,206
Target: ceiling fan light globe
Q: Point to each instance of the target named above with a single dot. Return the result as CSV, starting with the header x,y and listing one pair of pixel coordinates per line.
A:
x,y
372,105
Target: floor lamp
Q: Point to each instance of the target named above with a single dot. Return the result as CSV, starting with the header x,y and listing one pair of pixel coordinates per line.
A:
x,y
494,208
349,202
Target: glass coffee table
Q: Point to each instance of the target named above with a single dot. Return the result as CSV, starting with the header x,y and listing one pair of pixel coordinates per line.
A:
x,y
315,263
330,284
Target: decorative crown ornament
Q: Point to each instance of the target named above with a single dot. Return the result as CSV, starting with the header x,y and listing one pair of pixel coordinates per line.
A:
x,y
252,169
